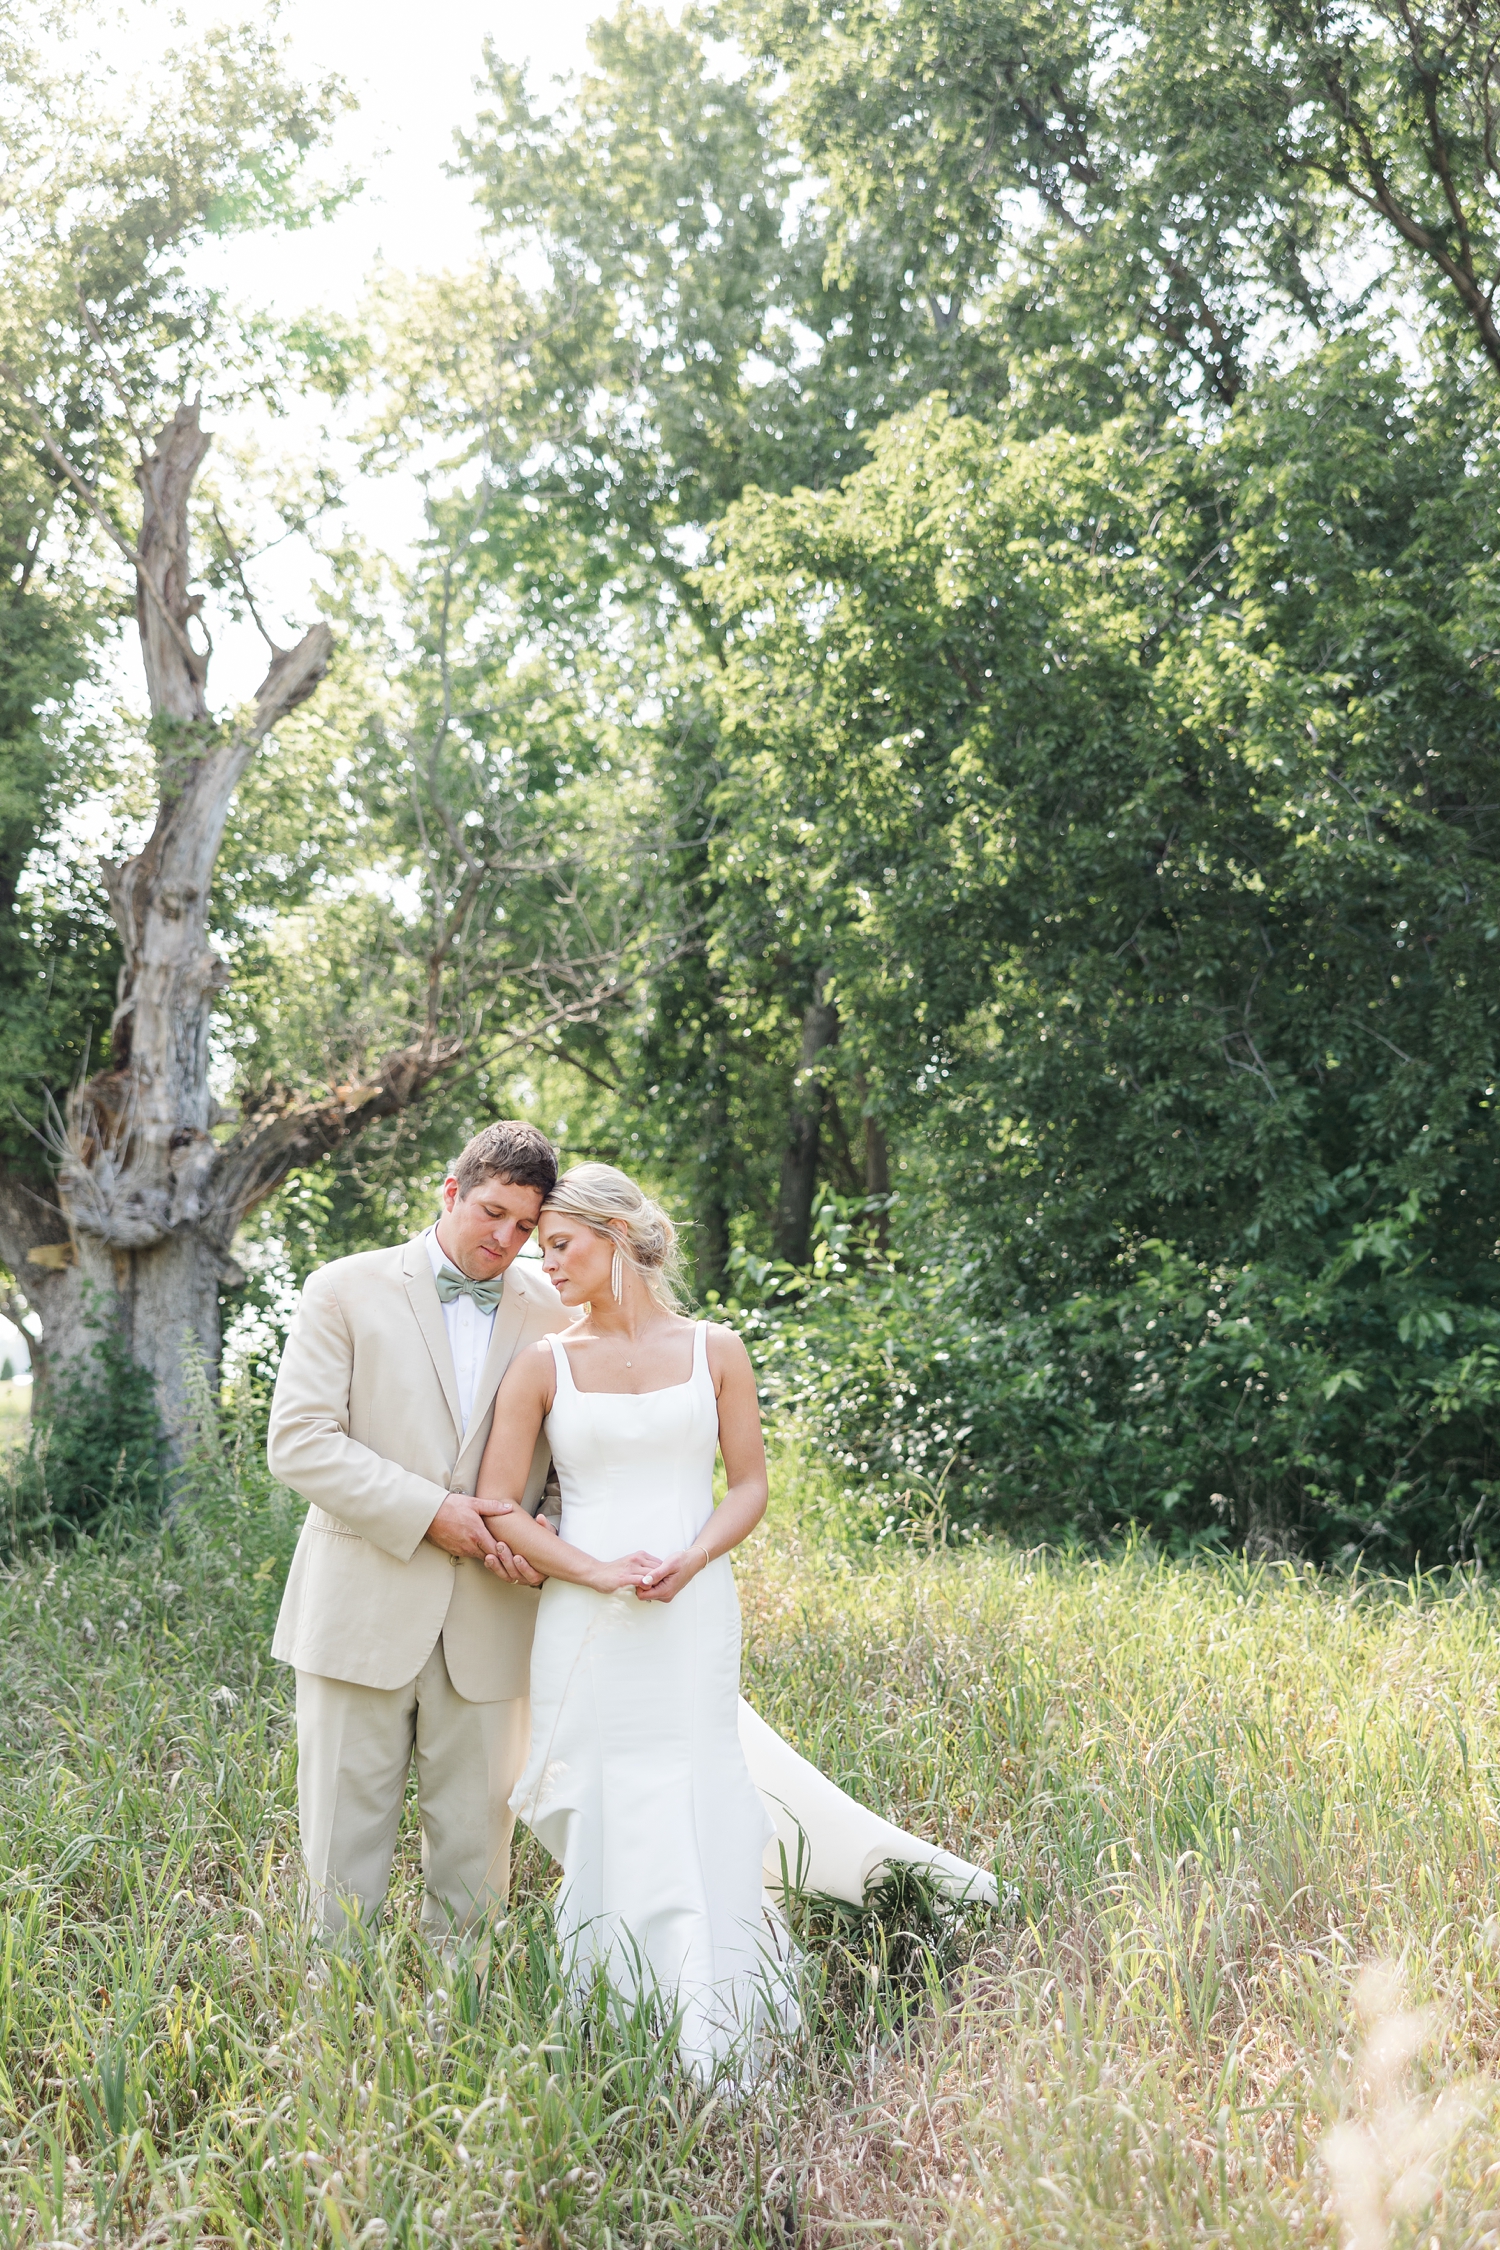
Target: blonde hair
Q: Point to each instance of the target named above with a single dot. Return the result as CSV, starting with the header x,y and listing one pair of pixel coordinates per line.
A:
x,y
610,1204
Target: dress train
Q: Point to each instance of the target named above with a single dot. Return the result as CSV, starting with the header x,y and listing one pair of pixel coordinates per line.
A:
x,y
830,1842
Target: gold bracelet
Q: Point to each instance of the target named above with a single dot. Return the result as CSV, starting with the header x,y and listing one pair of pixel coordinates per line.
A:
x,y
703,1551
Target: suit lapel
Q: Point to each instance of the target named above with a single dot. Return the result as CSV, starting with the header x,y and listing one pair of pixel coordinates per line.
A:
x,y
510,1317
421,1291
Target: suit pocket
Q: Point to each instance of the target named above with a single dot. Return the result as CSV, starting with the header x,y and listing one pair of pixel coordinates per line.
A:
x,y
327,1528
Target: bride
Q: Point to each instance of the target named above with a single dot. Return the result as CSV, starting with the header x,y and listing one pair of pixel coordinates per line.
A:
x,y
667,1801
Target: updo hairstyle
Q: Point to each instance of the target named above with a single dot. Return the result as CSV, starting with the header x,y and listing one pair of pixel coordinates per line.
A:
x,y
609,1203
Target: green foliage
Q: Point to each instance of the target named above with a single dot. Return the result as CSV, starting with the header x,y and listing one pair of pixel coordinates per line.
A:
x,y
1139,798
1126,779
1091,693
95,1455
692,336
57,950
1142,146
685,339
122,176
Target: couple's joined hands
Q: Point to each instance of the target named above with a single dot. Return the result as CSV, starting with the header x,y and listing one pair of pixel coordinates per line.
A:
x,y
463,1527
651,1579
471,1531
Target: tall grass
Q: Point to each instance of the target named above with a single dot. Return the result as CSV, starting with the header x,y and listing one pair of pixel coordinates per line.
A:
x,y
15,1415
1217,1794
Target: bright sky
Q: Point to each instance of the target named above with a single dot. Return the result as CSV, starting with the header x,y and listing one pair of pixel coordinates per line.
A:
x,y
413,69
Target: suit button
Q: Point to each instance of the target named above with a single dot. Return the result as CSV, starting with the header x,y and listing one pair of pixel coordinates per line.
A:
x,y
455,1560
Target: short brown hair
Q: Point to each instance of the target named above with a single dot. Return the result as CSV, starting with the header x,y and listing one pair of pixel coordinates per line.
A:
x,y
509,1151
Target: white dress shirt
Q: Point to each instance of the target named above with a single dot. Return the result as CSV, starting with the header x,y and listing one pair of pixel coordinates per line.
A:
x,y
469,1331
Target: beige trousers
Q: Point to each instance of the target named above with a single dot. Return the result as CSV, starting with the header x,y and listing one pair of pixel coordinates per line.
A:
x,y
354,1752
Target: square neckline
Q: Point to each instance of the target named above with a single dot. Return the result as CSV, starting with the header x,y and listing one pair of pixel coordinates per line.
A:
x,y
662,1390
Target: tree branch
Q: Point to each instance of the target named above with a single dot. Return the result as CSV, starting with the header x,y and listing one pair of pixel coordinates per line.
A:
x,y
282,1135
564,1055
1381,196
293,675
239,572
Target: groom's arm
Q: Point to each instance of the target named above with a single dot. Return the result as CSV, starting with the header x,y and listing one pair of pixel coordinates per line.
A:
x,y
309,1447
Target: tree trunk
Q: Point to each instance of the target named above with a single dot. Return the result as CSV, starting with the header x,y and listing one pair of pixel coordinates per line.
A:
x,y
877,1162
176,672
799,1163
712,1247
163,1304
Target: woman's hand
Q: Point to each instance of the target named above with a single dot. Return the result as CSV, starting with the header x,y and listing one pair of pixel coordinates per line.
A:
x,y
669,1578
625,1570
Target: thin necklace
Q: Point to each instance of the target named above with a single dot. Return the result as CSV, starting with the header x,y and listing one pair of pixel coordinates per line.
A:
x,y
629,1363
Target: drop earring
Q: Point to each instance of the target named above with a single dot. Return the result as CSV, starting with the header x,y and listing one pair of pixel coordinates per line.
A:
x,y
616,1272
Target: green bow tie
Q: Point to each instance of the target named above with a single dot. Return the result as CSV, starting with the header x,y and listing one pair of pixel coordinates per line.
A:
x,y
486,1294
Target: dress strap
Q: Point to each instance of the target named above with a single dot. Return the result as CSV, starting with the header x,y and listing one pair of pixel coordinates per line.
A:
x,y
700,1348
563,1364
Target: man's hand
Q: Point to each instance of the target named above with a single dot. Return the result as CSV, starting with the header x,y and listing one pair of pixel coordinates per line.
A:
x,y
507,1563
459,1529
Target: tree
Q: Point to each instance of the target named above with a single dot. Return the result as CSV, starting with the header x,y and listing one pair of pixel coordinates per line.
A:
x,y
1082,186
1404,133
1050,218
1139,197
1143,795
133,1228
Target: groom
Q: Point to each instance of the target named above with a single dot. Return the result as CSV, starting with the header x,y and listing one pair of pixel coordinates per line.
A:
x,y
402,1641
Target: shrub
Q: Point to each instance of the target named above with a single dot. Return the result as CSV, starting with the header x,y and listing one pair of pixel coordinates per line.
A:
x,y
96,1450
1353,1409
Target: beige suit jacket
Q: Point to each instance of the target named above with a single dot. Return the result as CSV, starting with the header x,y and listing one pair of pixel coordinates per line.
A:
x,y
365,1426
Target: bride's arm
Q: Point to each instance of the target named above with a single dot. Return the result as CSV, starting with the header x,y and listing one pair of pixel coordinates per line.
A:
x,y
523,1400
744,1452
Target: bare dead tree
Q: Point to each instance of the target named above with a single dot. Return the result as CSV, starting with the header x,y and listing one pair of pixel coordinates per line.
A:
x,y
138,1225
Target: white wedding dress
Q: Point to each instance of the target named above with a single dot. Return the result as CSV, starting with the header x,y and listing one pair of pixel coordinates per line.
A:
x,y
670,1805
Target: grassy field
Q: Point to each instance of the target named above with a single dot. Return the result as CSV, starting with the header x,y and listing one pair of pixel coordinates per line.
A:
x,y
1218,1794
